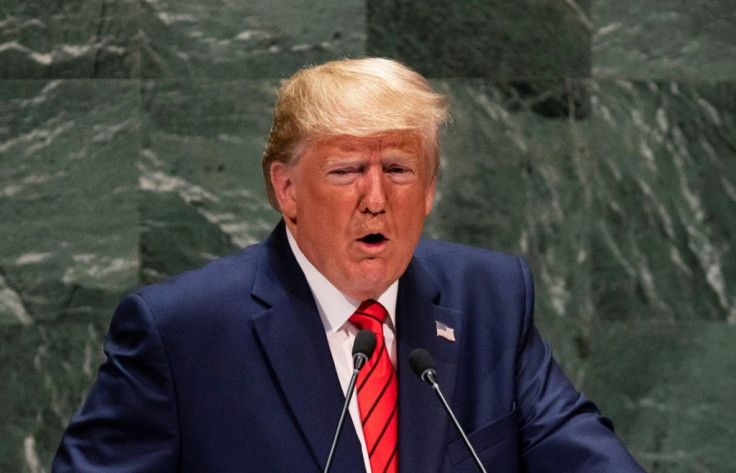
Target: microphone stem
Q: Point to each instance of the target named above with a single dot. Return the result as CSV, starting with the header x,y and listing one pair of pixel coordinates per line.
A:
x,y
348,395
436,388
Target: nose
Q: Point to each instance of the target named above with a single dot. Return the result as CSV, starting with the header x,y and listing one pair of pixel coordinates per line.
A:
x,y
374,193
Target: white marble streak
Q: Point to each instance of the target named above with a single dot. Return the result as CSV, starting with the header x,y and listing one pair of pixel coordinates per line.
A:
x,y
649,159
647,280
108,132
41,58
32,460
12,304
100,271
61,52
729,188
36,139
710,111
158,181
248,35
42,96
709,258
493,110
616,251
556,285
608,29
676,259
239,231
659,207
32,258
28,182
708,148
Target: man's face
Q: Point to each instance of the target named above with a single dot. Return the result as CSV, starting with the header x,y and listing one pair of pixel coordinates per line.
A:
x,y
356,207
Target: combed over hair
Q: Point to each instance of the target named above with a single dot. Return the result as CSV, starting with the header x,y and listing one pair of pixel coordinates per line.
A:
x,y
355,97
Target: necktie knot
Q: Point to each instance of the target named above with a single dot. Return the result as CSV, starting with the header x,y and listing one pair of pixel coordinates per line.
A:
x,y
370,316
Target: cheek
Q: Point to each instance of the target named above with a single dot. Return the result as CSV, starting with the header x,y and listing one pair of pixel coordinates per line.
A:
x,y
310,201
416,205
323,215
335,206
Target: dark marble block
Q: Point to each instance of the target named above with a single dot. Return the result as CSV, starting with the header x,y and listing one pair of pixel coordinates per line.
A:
x,y
517,180
625,215
669,388
69,39
68,197
47,370
666,185
483,38
200,174
665,40
182,39
235,40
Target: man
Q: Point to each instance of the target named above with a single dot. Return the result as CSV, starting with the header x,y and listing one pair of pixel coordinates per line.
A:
x,y
242,365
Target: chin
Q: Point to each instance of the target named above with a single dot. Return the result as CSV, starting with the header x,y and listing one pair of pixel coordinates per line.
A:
x,y
370,279
370,288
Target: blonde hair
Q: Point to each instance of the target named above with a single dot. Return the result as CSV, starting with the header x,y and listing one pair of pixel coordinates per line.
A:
x,y
355,97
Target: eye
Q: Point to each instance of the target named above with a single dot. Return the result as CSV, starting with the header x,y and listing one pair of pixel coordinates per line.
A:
x,y
400,174
344,171
343,175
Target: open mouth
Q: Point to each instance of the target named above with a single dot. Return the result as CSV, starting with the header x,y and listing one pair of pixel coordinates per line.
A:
x,y
373,238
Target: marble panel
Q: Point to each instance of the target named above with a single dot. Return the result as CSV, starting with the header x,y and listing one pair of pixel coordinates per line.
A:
x,y
69,39
516,178
664,40
47,370
68,212
665,179
669,388
483,38
202,191
254,39
624,211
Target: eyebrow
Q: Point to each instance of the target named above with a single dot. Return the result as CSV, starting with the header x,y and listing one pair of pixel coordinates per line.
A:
x,y
388,144
389,153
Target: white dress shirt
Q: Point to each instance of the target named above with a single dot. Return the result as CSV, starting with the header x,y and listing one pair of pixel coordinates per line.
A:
x,y
335,309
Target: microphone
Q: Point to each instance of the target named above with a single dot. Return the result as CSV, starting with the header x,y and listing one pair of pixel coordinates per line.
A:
x,y
423,365
365,343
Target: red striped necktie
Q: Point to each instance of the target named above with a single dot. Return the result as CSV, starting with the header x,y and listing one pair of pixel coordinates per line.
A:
x,y
378,394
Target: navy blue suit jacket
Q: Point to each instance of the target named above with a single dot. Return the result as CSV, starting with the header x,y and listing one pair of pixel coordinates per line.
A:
x,y
227,369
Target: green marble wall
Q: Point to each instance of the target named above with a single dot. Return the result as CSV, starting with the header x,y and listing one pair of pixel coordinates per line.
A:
x,y
596,138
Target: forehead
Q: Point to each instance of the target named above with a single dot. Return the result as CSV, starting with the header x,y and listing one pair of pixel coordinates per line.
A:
x,y
403,143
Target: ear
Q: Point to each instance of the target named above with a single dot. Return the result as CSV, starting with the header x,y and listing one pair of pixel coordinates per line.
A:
x,y
282,180
429,196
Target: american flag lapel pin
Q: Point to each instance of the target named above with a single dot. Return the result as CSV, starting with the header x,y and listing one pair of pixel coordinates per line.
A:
x,y
445,331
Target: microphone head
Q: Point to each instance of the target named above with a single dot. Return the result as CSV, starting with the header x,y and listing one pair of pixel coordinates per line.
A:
x,y
421,362
365,343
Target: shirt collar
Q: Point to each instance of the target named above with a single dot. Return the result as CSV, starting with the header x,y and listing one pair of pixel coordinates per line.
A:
x,y
335,308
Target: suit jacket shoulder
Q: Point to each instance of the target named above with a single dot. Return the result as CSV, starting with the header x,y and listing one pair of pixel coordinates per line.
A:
x,y
226,280
506,388
453,263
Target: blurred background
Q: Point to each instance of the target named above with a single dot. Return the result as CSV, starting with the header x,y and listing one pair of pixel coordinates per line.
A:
x,y
597,138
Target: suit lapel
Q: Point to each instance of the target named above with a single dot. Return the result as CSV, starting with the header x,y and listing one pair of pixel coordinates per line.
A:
x,y
423,423
296,348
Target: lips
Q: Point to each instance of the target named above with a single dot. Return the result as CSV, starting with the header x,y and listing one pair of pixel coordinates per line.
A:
x,y
373,238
